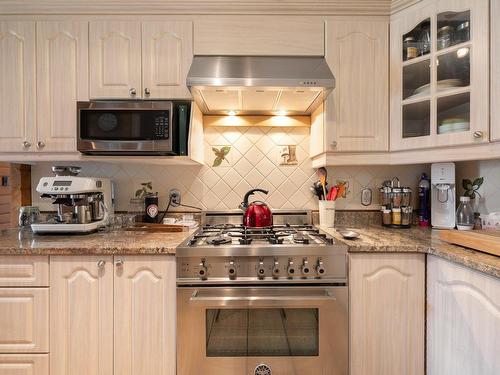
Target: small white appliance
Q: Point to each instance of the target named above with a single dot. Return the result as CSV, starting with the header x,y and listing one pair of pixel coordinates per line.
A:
x,y
83,203
443,191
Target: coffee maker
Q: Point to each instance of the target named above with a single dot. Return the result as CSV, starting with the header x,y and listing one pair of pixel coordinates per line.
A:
x,y
83,203
443,192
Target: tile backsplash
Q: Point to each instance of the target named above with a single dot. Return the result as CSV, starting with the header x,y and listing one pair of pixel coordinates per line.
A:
x,y
236,160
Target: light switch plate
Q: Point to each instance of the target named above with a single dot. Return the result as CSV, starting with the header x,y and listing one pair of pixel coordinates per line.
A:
x,y
366,196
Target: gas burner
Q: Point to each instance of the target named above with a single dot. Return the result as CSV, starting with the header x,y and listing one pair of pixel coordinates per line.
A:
x,y
245,241
218,240
220,226
275,240
300,238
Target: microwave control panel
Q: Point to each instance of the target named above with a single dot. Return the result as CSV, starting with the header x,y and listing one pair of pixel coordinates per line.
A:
x,y
162,126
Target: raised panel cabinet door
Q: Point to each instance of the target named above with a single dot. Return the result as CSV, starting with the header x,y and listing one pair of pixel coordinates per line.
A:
x,y
62,80
24,364
17,88
115,59
145,307
167,52
24,320
463,320
495,70
387,314
357,109
81,315
24,270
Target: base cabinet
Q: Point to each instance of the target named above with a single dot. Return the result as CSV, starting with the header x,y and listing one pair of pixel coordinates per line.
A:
x,y
112,316
24,364
387,306
463,320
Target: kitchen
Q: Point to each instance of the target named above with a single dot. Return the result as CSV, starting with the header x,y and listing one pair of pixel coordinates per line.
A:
x,y
133,137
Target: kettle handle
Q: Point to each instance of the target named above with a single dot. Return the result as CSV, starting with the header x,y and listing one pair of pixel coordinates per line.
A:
x,y
244,205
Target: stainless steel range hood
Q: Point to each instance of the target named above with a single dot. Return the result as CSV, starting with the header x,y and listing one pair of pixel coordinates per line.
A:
x,y
259,85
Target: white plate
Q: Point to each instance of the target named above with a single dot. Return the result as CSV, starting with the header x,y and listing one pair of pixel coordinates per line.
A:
x,y
453,127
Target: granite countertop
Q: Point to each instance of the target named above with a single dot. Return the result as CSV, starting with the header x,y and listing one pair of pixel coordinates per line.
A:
x,y
375,238
25,242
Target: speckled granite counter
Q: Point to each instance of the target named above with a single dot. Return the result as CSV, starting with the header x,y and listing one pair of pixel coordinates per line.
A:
x,y
14,242
378,239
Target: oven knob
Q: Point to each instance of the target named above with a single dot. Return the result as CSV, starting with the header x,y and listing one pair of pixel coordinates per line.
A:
x,y
203,271
290,269
276,269
261,270
305,267
232,270
320,268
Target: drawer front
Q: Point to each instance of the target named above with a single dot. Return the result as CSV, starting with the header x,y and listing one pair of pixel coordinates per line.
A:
x,y
24,271
24,364
24,320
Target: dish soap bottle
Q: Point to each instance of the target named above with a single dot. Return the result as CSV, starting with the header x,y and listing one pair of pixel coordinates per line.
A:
x,y
465,215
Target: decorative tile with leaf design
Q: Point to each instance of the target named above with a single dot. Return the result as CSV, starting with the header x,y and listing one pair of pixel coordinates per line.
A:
x,y
221,155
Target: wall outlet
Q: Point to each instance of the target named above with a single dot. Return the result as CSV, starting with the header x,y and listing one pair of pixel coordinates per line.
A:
x,y
174,196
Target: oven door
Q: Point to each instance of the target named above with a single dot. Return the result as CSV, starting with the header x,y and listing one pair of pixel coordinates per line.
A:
x,y
133,127
284,330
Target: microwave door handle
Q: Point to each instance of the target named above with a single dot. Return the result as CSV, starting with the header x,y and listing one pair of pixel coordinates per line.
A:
x,y
318,294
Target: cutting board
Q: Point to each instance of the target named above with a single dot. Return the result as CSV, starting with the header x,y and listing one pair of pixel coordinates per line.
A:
x,y
153,227
487,241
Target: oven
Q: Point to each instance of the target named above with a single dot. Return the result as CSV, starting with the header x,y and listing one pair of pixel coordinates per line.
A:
x,y
133,127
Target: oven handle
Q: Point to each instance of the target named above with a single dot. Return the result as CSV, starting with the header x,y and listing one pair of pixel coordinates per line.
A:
x,y
316,294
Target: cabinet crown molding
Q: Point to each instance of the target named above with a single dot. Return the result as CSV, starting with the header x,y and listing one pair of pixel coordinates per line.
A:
x,y
299,7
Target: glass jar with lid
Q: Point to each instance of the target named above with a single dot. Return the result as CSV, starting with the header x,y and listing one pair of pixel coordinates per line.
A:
x,y
410,48
406,197
385,196
397,197
406,216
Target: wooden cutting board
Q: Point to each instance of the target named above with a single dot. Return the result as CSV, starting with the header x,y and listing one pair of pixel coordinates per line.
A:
x,y
487,241
153,227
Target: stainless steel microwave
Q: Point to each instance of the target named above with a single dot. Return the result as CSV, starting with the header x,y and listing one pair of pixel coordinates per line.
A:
x,y
133,127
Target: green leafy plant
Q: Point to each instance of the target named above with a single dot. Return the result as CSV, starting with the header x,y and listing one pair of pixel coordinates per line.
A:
x,y
220,155
471,187
146,188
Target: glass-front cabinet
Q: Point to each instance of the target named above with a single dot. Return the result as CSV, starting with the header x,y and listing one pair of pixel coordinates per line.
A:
x,y
439,74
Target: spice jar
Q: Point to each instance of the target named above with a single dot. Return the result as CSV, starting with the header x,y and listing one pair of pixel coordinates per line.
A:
x,y
410,48
385,196
386,217
397,197
396,216
406,215
406,197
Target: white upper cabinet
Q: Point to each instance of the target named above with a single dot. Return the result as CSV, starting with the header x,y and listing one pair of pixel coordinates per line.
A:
x,y
440,74
62,80
495,70
167,52
259,36
356,117
115,59
463,320
17,86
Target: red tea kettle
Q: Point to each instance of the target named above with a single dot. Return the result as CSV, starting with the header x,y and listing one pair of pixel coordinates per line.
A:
x,y
257,214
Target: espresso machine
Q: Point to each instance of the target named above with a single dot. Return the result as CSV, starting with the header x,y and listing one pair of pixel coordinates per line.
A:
x,y
443,200
83,203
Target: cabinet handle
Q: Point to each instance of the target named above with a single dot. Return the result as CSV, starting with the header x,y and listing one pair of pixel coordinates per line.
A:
x,y
333,145
478,134
119,262
101,263
40,144
147,92
132,91
26,144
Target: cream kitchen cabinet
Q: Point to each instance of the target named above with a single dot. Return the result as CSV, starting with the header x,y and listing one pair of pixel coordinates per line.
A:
x,y
356,117
387,313
62,79
121,310
495,70
24,364
18,86
144,315
463,320
16,271
440,74
130,59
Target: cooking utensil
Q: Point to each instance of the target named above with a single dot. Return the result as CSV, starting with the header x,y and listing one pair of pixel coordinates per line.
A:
x,y
257,214
322,175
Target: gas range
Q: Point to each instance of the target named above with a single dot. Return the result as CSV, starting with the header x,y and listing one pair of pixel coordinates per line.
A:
x,y
224,252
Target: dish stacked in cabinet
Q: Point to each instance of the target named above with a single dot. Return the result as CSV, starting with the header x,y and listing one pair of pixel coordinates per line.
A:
x,y
24,315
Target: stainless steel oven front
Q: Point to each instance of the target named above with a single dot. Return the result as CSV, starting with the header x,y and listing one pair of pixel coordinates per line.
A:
x,y
278,329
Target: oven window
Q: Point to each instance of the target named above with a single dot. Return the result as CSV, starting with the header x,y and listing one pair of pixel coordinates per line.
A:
x,y
124,125
262,332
